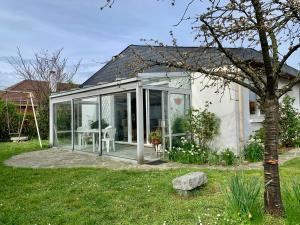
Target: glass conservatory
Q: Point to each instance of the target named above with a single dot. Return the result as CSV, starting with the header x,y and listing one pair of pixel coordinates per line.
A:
x,y
122,118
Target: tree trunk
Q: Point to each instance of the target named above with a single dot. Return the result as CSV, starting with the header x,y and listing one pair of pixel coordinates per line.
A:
x,y
272,194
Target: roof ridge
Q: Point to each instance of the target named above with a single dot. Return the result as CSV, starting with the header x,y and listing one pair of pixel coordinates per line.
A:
x,y
181,46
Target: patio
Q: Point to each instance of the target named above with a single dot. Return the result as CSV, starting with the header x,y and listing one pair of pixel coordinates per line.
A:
x,y
62,158
125,151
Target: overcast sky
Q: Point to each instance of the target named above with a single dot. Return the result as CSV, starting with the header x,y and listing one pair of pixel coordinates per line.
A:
x,y
84,31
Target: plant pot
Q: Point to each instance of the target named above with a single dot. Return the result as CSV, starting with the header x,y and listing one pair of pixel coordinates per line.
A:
x,y
156,142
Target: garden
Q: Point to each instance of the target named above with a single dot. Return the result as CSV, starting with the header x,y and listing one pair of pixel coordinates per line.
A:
x,y
202,126
102,196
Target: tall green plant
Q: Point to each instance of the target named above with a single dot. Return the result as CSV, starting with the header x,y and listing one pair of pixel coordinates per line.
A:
x,y
291,198
203,125
289,123
243,197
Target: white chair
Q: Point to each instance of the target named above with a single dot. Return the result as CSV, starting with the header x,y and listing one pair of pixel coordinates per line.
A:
x,y
109,134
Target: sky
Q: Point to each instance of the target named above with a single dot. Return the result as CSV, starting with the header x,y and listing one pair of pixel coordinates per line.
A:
x,y
84,31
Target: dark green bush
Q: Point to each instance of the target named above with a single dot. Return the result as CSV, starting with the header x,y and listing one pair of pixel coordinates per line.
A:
x,y
254,152
95,124
178,125
43,118
228,157
29,128
13,117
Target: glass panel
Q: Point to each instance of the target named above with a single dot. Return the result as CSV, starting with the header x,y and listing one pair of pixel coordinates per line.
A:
x,y
114,112
133,116
179,105
86,124
252,102
183,82
165,132
155,109
120,101
107,111
254,106
62,124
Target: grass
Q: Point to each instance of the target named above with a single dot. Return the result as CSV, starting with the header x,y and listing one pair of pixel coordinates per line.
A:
x,y
101,196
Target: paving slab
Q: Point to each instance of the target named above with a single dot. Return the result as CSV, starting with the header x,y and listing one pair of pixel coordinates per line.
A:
x,y
59,158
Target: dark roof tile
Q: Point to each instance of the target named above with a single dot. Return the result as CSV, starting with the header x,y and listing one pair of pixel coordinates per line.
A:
x,y
126,64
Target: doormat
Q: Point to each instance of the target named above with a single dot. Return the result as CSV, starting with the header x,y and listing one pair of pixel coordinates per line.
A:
x,y
156,162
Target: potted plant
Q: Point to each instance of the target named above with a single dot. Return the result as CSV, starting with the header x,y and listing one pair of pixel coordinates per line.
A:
x,y
155,138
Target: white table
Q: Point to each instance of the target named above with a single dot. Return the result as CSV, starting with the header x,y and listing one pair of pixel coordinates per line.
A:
x,y
94,132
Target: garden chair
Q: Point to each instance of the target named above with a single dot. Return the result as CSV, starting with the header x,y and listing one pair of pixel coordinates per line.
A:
x,y
109,134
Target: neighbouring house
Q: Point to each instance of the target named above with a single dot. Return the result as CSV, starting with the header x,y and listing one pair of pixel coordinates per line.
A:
x,y
19,92
131,100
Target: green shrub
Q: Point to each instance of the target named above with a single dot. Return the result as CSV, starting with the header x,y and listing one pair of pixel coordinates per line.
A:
x,y
29,128
291,199
228,157
289,123
13,118
203,125
191,152
213,158
188,152
179,125
254,151
243,197
259,135
43,118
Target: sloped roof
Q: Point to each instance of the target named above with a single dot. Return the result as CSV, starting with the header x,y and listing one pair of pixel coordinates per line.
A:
x,y
34,86
123,65
31,85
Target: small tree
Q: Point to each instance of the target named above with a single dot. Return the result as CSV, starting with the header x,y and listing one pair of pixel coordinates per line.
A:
x,y
46,67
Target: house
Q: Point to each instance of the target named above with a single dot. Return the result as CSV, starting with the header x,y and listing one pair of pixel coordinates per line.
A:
x,y
19,92
131,99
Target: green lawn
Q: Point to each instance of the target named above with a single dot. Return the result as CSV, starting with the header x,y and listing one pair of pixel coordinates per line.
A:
x,y
100,196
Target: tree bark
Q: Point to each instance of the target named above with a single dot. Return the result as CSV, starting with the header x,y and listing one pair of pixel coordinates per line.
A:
x,y
272,194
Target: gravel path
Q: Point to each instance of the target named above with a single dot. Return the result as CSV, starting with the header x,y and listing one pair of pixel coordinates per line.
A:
x,y
57,158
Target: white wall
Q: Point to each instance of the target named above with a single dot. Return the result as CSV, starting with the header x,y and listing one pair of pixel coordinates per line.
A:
x,y
225,107
251,123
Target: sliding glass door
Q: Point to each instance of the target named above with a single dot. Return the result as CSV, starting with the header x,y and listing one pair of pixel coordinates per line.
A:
x,y
86,124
